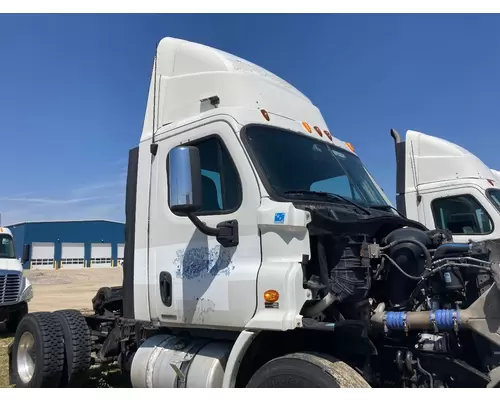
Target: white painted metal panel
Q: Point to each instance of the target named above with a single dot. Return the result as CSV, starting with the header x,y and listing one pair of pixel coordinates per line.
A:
x,y
42,255
120,254
100,255
72,255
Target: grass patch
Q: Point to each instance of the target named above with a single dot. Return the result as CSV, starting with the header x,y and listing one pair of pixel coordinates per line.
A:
x,y
4,359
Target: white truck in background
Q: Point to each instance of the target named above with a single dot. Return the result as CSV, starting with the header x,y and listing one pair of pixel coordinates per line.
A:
x,y
15,289
444,186
259,252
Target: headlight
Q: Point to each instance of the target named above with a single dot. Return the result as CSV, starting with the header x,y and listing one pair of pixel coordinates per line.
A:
x,y
27,293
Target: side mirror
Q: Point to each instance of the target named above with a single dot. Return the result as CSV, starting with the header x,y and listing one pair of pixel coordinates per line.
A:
x,y
26,253
184,179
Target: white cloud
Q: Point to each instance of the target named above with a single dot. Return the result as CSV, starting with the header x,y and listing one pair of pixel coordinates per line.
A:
x,y
97,200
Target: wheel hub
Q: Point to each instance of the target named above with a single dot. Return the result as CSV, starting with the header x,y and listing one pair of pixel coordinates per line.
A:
x,y
26,357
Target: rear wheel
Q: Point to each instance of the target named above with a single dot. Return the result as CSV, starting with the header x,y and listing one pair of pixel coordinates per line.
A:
x,y
306,370
77,347
38,351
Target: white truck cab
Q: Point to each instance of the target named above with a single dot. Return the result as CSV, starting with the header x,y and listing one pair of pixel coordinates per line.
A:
x,y
259,252
442,185
15,289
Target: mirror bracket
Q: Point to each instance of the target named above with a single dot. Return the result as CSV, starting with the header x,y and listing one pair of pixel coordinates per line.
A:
x,y
226,232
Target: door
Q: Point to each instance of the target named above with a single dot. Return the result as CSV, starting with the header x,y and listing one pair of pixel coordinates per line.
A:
x,y
42,255
207,284
464,211
100,255
119,254
72,255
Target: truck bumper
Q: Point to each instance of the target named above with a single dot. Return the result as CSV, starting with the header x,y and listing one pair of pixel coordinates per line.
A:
x,y
6,310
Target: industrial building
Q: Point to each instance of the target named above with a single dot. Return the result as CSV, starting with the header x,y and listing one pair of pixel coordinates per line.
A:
x,y
70,244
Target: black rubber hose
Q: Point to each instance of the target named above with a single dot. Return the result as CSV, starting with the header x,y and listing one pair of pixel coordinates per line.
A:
x,y
427,254
394,263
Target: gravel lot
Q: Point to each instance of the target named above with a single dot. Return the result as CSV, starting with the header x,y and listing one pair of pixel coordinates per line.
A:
x,y
63,289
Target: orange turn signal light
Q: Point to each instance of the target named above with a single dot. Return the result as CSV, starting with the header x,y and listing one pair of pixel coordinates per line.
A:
x,y
318,131
271,296
307,127
265,115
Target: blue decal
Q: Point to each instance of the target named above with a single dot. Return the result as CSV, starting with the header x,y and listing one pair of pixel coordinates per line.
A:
x,y
203,262
279,218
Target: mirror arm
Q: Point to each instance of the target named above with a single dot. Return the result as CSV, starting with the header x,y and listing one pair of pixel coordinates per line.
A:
x,y
202,227
226,232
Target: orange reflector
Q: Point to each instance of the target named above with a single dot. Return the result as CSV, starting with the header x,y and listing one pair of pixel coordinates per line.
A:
x,y
271,296
319,131
307,127
265,115
351,147
328,135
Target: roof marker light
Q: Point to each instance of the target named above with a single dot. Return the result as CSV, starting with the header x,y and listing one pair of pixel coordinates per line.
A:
x,y
318,131
351,147
328,135
307,127
265,115
491,182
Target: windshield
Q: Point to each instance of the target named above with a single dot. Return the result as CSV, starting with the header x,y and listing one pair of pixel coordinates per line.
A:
x,y
494,196
6,247
293,162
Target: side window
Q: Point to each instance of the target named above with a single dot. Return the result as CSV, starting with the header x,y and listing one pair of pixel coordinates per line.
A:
x,y
221,185
462,215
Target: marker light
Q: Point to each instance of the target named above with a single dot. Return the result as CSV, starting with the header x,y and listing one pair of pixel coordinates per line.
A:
x,y
307,127
328,135
271,296
351,147
490,181
319,131
265,115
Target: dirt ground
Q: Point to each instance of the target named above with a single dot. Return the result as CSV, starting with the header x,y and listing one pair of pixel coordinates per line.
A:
x,y
61,289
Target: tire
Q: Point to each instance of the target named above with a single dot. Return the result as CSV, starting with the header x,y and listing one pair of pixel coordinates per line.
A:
x,y
306,370
77,347
15,318
43,330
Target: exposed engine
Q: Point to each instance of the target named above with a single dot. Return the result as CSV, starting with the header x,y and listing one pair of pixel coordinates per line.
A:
x,y
430,305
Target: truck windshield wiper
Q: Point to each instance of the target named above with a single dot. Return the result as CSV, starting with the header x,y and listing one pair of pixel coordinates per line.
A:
x,y
327,195
386,207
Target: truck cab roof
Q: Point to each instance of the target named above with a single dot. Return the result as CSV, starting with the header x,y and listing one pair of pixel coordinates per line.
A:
x,y
431,159
5,231
187,76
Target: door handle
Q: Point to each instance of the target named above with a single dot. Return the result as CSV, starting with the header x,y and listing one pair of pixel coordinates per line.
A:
x,y
166,288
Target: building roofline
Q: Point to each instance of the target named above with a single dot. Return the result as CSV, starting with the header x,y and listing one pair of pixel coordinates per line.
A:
x,y
64,221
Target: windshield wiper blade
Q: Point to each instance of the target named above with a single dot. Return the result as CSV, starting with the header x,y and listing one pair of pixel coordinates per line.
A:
x,y
328,195
385,208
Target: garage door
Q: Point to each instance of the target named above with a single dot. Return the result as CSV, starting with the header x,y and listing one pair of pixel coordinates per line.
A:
x,y
100,255
72,255
121,251
42,255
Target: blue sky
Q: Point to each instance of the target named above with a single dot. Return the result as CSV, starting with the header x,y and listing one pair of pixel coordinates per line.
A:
x,y
73,91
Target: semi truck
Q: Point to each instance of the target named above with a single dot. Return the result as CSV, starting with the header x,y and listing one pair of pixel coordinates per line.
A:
x,y
15,289
260,252
444,186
